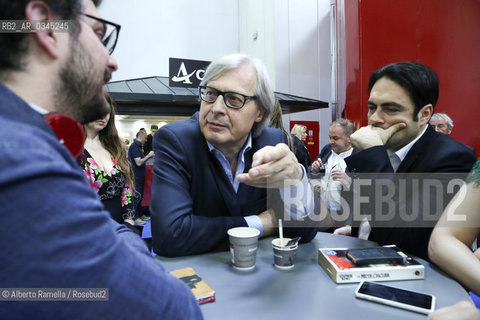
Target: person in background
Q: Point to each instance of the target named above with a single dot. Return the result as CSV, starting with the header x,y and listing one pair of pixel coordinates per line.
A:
x,y
331,161
339,146
397,142
107,167
144,131
212,172
138,160
147,147
441,122
299,134
59,235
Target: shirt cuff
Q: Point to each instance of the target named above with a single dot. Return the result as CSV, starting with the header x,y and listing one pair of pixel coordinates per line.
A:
x,y
298,199
255,222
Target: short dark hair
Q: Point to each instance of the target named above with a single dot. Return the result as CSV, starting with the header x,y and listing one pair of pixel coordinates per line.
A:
x,y
14,45
420,81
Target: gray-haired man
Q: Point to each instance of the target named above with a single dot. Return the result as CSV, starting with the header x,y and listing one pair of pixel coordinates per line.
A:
x,y
441,122
212,171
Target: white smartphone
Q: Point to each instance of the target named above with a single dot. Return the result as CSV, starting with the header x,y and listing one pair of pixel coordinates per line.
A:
x,y
396,297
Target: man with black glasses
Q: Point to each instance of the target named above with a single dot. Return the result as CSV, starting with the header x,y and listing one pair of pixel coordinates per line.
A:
x,y
60,243
212,172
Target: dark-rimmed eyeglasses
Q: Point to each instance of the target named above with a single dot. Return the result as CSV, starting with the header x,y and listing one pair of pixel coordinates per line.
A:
x,y
110,34
232,100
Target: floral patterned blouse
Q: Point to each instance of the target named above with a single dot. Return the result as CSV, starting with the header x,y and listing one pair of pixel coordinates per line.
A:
x,y
109,185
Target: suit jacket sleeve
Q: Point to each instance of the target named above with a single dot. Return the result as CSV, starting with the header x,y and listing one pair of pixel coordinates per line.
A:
x,y
59,236
371,160
433,156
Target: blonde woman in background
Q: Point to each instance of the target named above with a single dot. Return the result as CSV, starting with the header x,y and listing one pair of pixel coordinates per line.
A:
x,y
299,134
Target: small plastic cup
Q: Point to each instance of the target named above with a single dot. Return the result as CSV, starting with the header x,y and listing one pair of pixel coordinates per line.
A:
x,y
283,255
243,247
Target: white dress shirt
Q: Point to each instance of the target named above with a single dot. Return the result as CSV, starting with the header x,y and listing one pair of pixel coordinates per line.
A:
x,y
398,156
332,188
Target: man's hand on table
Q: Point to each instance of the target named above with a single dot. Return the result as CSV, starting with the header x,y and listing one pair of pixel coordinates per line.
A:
x,y
344,231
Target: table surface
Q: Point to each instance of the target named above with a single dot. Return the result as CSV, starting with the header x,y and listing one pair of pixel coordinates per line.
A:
x,y
304,292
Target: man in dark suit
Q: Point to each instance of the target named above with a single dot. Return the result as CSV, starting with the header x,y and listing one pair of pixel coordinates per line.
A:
x,y
399,143
59,235
212,172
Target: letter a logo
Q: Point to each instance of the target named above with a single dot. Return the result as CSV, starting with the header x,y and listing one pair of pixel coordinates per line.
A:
x,y
182,75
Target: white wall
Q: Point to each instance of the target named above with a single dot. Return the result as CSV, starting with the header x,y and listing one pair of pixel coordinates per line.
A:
x,y
309,62
292,37
154,30
257,33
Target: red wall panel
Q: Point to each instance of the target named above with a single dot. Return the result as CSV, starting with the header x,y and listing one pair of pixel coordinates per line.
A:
x,y
353,96
442,34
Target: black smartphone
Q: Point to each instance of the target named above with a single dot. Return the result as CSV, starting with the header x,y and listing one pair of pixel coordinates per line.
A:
x,y
374,255
396,297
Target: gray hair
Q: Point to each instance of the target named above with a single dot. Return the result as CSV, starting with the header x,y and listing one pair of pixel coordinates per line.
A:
x,y
265,98
347,126
448,120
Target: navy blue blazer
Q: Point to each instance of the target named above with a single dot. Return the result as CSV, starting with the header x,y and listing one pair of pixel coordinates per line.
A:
x,y
193,203
60,236
434,152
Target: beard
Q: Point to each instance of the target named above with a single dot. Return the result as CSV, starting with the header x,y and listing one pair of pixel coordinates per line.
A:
x,y
340,148
80,92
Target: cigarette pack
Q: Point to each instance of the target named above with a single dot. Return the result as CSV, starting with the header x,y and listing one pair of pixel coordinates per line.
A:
x,y
342,270
201,290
